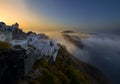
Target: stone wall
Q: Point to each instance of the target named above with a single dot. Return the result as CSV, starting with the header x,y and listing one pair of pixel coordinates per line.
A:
x,y
31,57
15,64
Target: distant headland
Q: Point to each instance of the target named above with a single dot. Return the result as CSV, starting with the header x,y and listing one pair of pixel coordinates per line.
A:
x,y
68,31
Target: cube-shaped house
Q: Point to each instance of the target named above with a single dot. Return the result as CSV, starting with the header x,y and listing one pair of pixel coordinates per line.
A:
x,y
19,38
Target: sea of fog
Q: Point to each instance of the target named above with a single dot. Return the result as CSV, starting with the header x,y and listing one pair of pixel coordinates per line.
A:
x,y
100,50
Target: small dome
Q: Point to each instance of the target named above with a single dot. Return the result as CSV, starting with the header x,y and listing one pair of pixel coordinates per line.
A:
x,y
2,23
16,24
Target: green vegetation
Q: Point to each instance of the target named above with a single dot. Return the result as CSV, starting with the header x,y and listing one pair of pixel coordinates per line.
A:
x,y
4,45
59,72
75,75
65,70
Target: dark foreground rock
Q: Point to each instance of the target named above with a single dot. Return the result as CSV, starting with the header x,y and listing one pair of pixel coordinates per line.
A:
x,y
65,70
92,75
11,66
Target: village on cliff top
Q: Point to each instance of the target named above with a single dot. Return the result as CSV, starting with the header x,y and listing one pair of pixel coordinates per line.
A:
x,y
35,45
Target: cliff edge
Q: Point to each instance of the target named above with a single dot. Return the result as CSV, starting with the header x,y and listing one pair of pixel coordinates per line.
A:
x,y
65,70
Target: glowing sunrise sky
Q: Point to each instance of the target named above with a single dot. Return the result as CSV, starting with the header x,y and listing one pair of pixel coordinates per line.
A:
x,y
55,15
12,11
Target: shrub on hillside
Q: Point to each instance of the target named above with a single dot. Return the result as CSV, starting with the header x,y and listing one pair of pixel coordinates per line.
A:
x,y
4,45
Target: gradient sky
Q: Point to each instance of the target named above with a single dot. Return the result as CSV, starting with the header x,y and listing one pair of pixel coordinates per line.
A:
x,y
53,15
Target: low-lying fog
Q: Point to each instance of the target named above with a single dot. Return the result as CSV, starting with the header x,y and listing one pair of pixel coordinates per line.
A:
x,y
100,50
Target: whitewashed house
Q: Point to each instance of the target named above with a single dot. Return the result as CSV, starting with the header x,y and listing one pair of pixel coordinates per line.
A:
x,y
47,47
13,35
19,38
22,43
13,28
36,45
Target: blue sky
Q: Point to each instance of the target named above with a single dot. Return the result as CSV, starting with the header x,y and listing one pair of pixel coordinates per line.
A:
x,y
56,15
83,13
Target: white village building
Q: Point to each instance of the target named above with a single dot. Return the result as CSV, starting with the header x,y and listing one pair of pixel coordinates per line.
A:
x,y
22,43
44,47
13,35
4,27
47,47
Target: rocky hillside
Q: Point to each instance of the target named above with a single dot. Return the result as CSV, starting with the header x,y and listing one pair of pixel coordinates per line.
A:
x,y
65,70
11,65
35,59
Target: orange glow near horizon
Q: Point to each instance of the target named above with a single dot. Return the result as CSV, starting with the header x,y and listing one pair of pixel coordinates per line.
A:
x,y
12,12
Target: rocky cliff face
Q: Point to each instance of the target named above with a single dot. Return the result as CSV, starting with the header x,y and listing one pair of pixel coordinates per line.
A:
x,y
65,70
91,74
55,65
11,65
